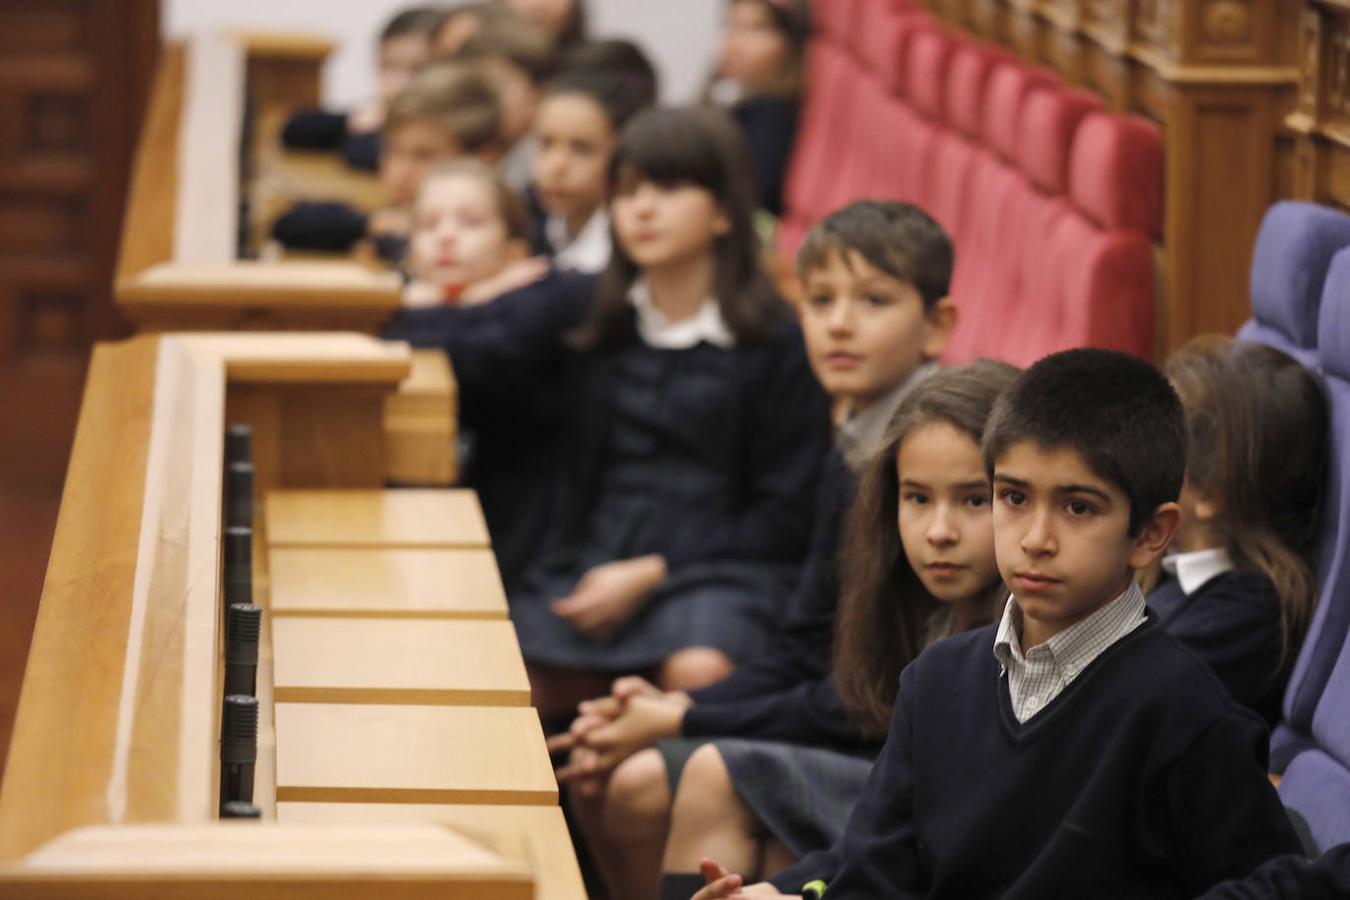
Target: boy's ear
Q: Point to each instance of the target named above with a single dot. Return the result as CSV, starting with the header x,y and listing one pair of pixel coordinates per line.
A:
x,y
1155,535
941,319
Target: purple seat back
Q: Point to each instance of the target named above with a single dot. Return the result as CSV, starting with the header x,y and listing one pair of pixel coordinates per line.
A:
x,y
1316,730
1293,250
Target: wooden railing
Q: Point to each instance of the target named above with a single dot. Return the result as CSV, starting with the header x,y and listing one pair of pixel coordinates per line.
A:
x,y
180,266
1219,76
111,786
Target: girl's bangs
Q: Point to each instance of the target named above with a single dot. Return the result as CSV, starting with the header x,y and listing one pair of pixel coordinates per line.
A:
x,y
668,150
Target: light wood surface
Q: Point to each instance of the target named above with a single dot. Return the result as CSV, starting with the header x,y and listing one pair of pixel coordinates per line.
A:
x,y
435,583
412,754
395,518
536,836
152,208
207,221
266,862
119,710
444,662
420,421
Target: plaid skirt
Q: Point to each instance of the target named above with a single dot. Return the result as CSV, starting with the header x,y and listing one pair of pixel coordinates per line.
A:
x,y
802,795
731,606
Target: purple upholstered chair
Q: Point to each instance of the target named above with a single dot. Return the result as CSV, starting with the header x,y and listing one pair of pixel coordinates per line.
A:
x,y
1316,730
1293,249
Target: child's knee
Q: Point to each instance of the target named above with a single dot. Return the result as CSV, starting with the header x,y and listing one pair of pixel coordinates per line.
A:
x,y
693,668
638,793
705,785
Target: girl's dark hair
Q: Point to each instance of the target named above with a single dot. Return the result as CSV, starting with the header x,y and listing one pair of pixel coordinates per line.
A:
x,y
615,73
883,606
701,147
792,18
1257,425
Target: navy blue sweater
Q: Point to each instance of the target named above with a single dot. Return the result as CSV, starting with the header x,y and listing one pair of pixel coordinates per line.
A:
x,y
1142,779
1232,622
786,694
1293,878
509,360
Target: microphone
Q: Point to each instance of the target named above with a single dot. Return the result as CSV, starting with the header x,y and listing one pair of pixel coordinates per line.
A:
x,y
238,566
239,810
243,624
239,477
238,749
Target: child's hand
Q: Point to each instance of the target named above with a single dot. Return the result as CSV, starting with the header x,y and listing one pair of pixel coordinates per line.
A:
x,y
631,686
366,118
724,885
581,725
514,277
421,294
645,721
610,594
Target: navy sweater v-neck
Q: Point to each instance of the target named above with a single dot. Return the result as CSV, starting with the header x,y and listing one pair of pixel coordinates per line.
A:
x,y
1142,779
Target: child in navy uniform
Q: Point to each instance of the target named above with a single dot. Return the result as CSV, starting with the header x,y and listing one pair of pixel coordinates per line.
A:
x,y
1075,749
1242,587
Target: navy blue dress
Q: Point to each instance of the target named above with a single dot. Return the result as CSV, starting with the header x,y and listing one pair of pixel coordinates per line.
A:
x,y
706,456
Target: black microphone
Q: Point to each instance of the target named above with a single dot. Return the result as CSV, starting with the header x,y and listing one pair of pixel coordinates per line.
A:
x,y
238,810
239,478
238,566
238,749
238,444
243,624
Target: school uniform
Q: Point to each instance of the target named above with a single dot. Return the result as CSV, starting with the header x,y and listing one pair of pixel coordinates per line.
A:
x,y
1292,878
1231,620
769,123
690,444
588,251
509,360
1108,761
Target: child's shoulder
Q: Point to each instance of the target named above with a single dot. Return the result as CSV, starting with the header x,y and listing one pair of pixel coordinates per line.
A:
x,y
1165,675
966,653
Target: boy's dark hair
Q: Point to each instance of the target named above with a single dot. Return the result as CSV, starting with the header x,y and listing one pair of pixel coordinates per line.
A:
x,y
883,606
898,238
703,147
417,20
620,98
1116,411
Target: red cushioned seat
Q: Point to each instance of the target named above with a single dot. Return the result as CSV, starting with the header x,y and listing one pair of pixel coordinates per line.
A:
x,y
885,43
967,73
994,183
930,50
1102,251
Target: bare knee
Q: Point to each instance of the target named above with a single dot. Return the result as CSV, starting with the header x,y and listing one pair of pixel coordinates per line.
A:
x,y
705,787
693,668
637,802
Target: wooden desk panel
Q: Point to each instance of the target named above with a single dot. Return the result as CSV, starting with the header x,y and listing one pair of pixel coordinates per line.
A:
x,y
399,582
442,662
395,518
412,754
535,836
223,861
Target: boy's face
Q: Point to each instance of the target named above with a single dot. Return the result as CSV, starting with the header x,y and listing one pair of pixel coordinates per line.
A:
x,y
571,161
754,50
400,59
866,331
408,152
1061,536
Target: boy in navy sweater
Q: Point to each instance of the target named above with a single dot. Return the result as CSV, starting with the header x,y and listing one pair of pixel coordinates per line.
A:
x,y
1074,749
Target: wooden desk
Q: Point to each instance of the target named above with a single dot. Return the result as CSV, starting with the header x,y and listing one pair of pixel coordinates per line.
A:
x,y
388,582
536,836
441,662
412,754
382,519
225,861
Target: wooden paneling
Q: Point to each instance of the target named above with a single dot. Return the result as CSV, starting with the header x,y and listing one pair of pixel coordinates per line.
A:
x,y
381,519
